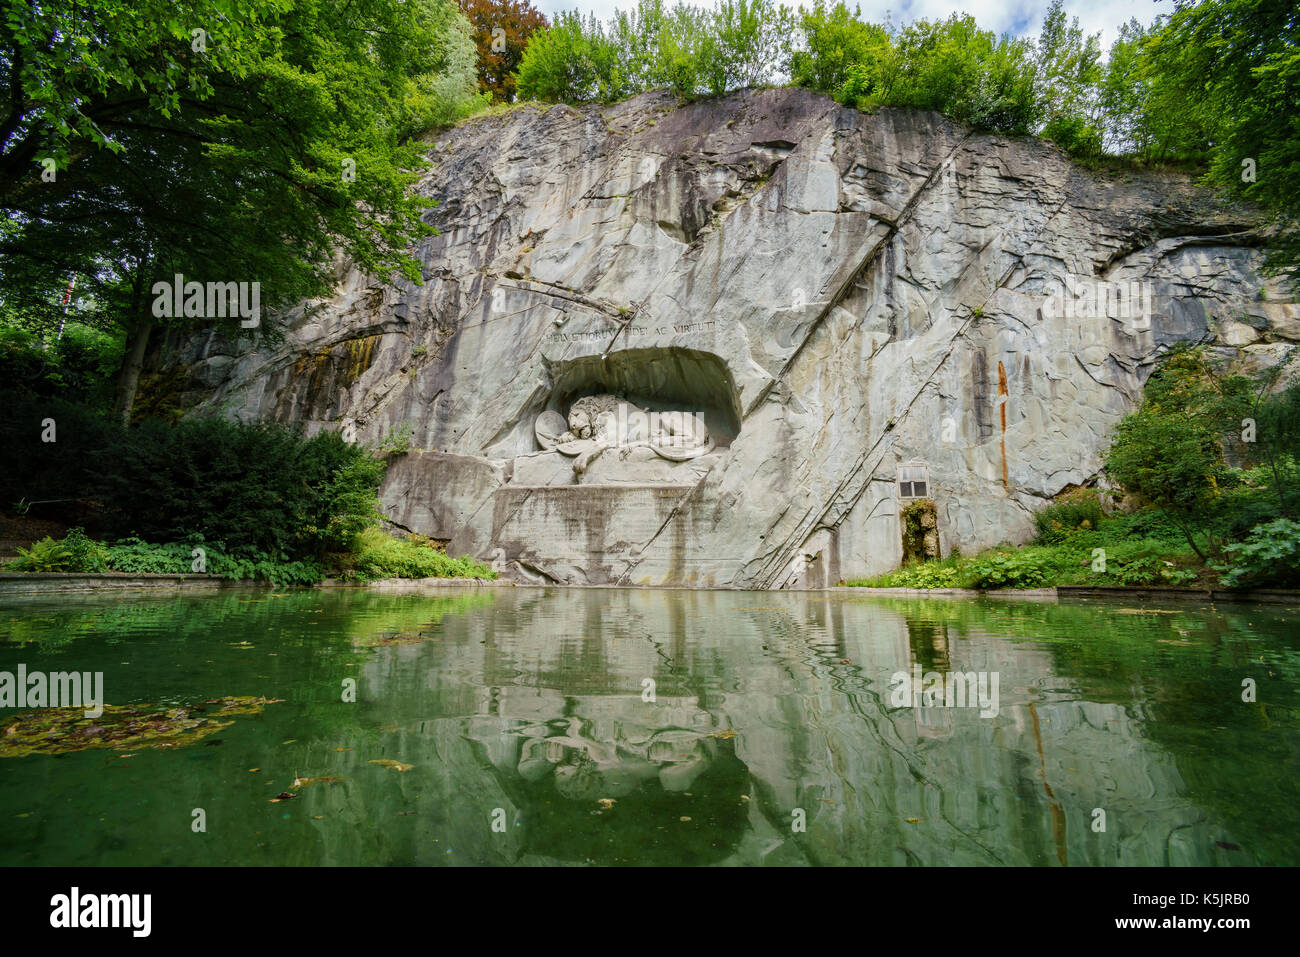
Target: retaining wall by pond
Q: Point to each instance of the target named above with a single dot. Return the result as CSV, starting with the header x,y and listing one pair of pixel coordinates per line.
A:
x,y
54,583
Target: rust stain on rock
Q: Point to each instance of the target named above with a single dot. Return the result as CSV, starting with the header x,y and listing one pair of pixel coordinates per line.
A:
x,y
1003,396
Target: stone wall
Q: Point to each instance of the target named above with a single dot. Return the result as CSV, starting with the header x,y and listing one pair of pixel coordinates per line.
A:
x,y
835,294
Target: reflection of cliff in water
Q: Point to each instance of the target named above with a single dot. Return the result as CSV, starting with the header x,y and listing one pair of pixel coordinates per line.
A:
x,y
618,802
768,706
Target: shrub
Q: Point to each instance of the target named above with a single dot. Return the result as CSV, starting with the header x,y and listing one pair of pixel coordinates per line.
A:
x,y
1270,555
87,554
1075,135
1008,570
137,557
73,553
260,489
46,555
1057,521
918,575
381,556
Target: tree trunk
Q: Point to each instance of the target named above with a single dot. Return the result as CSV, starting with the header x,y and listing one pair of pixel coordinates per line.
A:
x,y
129,377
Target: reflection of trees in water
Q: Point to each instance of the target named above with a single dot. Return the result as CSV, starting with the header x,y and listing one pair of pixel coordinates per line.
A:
x,y
1181,674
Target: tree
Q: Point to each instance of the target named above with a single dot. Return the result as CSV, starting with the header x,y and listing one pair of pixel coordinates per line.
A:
x,y
501,30
227,141
1170,450
572,61
1238,62
835,41
954,67
1069,73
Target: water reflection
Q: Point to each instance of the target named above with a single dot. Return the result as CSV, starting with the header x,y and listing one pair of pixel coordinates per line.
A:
x,y
661,727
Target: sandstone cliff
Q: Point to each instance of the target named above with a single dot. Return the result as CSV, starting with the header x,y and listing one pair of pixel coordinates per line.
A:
x,y
837,295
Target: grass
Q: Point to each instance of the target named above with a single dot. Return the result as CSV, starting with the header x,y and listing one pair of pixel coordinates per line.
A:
x,y
375,555
379,555
1137,549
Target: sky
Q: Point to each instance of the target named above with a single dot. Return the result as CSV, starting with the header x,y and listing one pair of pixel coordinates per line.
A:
x,y
1019,17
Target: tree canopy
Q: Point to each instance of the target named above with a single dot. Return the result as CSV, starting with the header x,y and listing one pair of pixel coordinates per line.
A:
x,y
226,140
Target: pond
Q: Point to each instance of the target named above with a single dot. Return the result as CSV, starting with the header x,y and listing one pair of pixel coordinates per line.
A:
x,y
520,726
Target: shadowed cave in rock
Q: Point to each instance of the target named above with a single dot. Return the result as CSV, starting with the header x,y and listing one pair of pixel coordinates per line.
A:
x,y
657,380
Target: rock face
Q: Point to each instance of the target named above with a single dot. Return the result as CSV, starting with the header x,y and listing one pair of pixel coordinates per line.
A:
x,y
810,297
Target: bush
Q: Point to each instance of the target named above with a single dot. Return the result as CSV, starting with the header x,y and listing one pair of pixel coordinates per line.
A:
x,y
1270,555
1059,520
73,553
1075,135
1008,570
933,574
259,489
381,556
46,555
133,556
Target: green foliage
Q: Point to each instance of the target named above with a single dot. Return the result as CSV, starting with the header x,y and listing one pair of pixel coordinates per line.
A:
x,y
46,555
73,553
380,555
285,133
134,556
921,575
572,62
87,555
1170,451
76,365
260,487
835,43
1075,135
1061,519
78,553
954,67
397,441
1018,569
1270,555
1236,67
690,51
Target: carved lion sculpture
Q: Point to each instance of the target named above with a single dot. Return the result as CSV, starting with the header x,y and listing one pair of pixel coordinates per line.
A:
x,y
599,422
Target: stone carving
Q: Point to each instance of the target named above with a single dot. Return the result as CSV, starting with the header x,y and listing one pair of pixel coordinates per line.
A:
x,y
600,422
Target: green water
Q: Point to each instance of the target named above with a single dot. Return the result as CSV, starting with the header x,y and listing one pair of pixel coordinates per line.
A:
x,y
773,736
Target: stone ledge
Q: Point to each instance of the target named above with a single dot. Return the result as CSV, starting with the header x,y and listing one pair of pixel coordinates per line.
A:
x,y
1266,595
1263,595
55,583
416,584
1035,594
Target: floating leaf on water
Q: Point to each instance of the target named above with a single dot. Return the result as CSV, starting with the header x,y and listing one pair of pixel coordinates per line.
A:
x,y
306,782
393,765
121,728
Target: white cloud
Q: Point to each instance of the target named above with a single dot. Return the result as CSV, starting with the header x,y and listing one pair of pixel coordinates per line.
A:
x,y
1022,17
